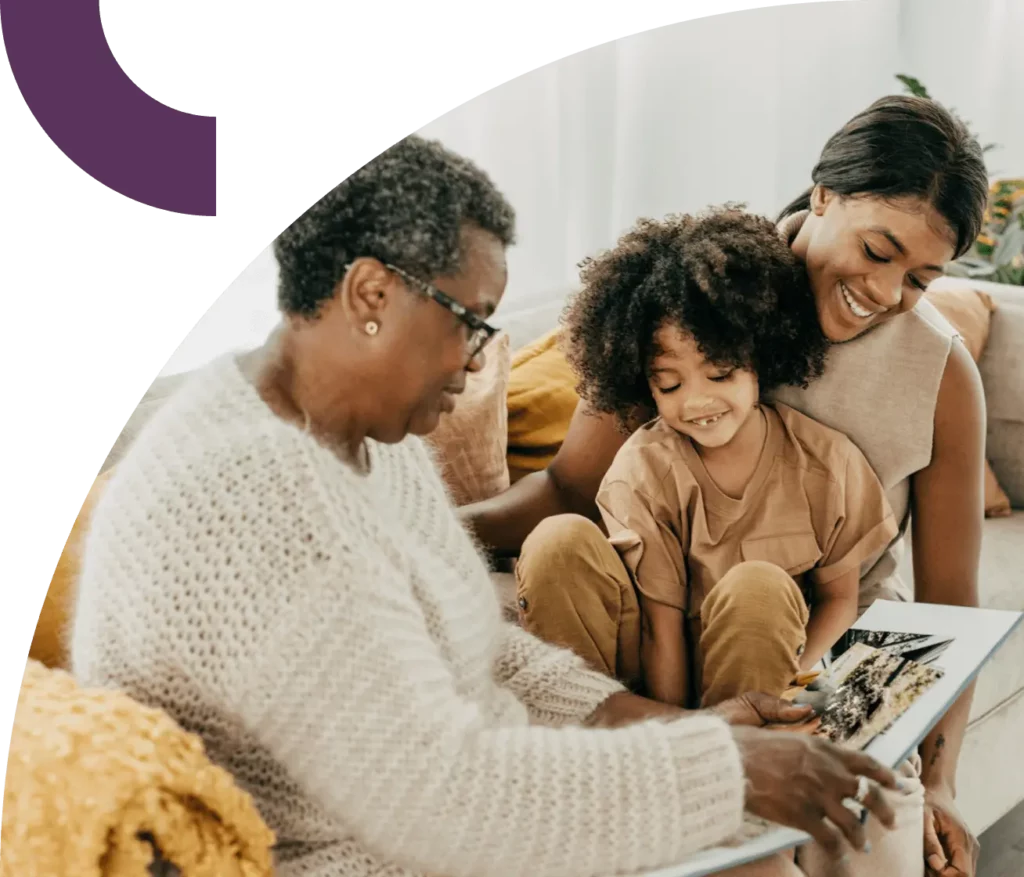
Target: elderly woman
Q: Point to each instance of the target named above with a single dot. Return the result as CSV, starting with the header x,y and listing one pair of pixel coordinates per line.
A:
x,y
276,564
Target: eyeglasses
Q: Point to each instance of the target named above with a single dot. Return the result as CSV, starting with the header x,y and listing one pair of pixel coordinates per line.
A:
x,y
479,331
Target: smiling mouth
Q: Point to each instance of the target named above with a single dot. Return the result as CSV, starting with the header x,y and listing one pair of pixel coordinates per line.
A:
x,y
857,309
707,421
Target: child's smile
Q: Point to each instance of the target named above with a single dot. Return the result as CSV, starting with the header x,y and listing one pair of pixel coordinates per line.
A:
x,y
708,403
709,420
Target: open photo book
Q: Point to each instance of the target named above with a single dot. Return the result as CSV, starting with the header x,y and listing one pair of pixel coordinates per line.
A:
x,y
888,683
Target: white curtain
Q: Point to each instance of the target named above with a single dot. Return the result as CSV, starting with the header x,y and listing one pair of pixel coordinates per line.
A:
x,y
730,108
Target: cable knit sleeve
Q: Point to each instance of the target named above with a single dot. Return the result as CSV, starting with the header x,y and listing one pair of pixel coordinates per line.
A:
x,y
355,698
554,684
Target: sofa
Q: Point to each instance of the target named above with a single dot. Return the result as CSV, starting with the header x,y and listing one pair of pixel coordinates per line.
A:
x,y
991,775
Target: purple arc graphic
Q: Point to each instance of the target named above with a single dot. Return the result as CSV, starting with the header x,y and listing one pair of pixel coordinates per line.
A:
x,y
98,117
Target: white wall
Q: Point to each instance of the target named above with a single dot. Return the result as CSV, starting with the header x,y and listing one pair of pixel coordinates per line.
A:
x,y
733,107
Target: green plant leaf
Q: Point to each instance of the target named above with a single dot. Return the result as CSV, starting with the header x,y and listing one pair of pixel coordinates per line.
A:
x,y
913,85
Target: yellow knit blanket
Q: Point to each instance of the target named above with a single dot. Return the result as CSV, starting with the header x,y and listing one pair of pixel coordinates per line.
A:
x,y
96,783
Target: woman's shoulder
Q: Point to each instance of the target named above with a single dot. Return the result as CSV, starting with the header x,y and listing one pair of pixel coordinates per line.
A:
x,y
215,461
881,390
919,339
929,315
214,421
814,444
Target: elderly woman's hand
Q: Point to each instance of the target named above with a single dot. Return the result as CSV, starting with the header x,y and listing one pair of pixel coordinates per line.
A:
x,y
752,709
756,710
798,780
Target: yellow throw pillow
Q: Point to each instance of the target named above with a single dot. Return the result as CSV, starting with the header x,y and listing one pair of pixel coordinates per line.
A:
x,y
969,311
541,400
49,643
470,442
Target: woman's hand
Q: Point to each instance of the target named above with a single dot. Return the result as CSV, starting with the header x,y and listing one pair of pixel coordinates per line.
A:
x,y
626,708
756,710
797,781
950,849
752,709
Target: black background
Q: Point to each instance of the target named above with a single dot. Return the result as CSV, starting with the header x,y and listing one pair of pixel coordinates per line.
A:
x,y
96,289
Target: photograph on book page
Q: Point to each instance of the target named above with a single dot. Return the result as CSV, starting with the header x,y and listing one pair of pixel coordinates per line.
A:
x,y
871,684
920,647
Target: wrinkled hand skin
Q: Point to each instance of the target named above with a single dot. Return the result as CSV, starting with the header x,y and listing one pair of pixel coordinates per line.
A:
x,y
950,850
757,710
798,780
753,710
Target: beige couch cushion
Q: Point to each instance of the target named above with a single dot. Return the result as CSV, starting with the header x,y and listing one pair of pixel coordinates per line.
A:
x,y
999,587
470,442
990,776
1002,371
526,324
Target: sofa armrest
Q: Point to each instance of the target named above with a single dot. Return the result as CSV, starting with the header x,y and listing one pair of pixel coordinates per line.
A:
x,y
1002,372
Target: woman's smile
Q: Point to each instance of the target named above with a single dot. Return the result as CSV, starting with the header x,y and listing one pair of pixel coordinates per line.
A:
x,y
860,306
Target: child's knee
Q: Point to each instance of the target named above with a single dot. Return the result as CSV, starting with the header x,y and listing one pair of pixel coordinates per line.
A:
x,y
755,586
570,549
557,539
565,556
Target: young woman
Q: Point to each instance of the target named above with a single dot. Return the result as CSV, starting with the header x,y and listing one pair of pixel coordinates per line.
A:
x,y
898,191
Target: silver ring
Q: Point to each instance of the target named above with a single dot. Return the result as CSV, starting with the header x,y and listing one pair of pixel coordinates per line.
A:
x,y
863,788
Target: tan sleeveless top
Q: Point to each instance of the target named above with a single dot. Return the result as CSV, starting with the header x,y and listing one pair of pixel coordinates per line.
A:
x,y
880,389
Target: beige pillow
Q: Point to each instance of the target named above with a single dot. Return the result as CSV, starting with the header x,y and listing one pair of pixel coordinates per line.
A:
x,y
969,311
470,443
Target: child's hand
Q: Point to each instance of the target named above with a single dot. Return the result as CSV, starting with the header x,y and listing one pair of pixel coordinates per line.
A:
x,y
756,710
816,696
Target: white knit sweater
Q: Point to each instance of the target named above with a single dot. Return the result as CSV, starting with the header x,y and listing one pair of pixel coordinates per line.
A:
x,y
337,642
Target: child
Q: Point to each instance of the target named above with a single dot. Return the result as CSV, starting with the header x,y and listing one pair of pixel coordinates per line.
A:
x,y
722,496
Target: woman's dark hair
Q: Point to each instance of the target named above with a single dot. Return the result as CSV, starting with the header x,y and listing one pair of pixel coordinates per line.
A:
x,y
903,146
408,207
725,276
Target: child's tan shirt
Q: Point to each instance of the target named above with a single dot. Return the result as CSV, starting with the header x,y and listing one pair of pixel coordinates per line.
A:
x,y
813,507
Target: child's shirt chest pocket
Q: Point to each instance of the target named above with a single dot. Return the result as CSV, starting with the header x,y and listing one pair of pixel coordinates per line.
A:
x,y
796,553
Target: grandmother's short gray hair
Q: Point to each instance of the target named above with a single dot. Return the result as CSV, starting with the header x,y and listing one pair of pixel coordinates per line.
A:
x,y
407,207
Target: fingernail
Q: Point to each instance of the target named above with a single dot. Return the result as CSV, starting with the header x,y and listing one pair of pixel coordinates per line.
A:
x,y
867,846
902,786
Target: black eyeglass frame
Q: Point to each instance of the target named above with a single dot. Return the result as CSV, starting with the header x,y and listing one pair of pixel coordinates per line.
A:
x,y
481,331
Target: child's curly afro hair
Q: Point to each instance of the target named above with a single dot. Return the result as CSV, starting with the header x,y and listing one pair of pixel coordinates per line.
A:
x,y
725,277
